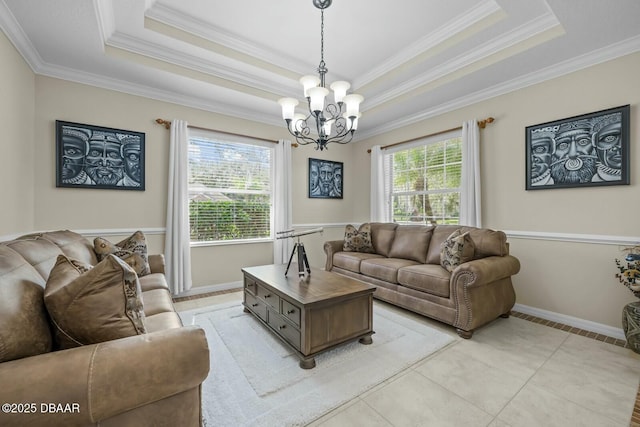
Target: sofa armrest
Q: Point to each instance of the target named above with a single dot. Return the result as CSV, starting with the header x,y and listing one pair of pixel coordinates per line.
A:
x,y
102,380
156,263
330,248
482,290
482,271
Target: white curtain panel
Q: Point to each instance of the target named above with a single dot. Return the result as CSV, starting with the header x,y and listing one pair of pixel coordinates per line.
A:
x,y
177,250
282,203
470,212
378,207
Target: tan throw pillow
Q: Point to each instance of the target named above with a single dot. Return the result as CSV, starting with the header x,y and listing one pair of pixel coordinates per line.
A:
x,y
133,250
358,240
457,249
92,305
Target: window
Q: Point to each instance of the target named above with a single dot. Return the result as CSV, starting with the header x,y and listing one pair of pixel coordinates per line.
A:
x,y
230,188
425,181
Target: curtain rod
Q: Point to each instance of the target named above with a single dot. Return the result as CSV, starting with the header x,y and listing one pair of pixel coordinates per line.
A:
x,y
167,125
481,124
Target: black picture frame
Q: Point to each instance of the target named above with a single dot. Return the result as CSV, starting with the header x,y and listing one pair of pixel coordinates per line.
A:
x,y
97,157
325,179
588,150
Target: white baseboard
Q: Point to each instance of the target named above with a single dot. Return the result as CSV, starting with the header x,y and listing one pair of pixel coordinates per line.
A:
x,y
575,322
198,290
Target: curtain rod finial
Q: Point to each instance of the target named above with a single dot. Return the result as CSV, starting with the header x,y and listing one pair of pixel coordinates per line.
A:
x,y
166,123
483,123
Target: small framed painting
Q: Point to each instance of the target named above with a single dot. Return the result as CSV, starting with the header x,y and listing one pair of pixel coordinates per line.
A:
x,y
582,151
90,156
325,179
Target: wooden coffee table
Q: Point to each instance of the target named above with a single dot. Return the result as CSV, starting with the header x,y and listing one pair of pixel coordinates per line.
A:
x,y
310,314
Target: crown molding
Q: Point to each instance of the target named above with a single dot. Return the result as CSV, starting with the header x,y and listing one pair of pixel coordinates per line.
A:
x,y
105,19
525,32
578,63
158,94
174,57
18,38
189,24
448,31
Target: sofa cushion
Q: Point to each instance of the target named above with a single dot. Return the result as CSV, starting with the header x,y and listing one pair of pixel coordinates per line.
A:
x,y
457,249
92,305
133,250
153,281
358,240
73,245
38,252
489,242
430,278
439,235
24,326
384,268
411,242
351,260
382,235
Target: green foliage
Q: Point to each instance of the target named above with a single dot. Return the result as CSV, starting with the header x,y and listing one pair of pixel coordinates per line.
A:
x,y
426,183
228,220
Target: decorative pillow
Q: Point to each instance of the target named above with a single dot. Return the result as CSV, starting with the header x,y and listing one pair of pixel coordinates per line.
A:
x,y
91,305
133,250
358,240
457,249
24,324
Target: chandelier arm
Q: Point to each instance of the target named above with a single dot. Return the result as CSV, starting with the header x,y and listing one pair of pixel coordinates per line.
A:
x,y
340,139
330,118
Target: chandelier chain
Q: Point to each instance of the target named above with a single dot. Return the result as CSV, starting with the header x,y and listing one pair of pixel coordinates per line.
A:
x,y
321,35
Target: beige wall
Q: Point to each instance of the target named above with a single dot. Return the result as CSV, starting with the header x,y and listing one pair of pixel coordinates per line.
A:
x,y
570,279
112,210
573,279
17,103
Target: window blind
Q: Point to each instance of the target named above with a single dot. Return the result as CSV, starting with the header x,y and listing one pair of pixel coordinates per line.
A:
x,y
230,189
425,181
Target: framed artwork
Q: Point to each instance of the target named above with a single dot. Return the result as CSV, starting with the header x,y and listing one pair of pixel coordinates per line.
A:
x,y
97,157
325,179
582,151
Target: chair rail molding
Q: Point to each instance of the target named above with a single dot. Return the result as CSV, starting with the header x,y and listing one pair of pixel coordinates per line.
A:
x,y
575,238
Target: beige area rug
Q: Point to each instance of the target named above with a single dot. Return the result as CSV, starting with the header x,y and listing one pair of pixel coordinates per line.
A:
x,y
255,379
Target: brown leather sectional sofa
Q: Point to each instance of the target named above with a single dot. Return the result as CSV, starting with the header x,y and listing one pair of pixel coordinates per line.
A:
x,y
407,271
148,379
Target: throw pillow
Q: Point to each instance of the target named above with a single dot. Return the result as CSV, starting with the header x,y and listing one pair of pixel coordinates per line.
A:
x,y
133,250
88,305
457,249
358,240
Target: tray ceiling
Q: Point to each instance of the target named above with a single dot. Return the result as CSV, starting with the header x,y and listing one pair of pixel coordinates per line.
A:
x,y
411,59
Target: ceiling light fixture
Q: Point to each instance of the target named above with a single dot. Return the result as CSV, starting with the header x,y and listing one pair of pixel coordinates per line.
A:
x,y
335,122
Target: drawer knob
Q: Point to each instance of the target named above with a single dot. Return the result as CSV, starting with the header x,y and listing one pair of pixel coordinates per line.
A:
x,y
254,305
291,311
282,327
267,296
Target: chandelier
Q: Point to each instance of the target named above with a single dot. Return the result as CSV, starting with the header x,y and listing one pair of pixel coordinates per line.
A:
x,y
335,122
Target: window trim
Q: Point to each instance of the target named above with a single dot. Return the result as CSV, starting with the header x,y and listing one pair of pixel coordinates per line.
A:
x,y
421,142
241,139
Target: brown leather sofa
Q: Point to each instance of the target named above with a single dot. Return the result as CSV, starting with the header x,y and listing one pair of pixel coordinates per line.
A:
x,y
150,379
407,271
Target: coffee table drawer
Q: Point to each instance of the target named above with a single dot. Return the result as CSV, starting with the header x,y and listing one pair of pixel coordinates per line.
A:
x,y
250,285
255,305
269,297
284,329
291,312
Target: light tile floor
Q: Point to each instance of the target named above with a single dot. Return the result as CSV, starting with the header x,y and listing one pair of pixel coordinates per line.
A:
x,y
513,372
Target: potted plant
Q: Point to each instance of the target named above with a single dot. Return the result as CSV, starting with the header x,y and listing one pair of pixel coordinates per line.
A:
x,y
629,275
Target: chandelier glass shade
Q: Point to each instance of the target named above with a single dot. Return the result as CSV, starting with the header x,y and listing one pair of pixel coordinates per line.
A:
x,y
325,122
